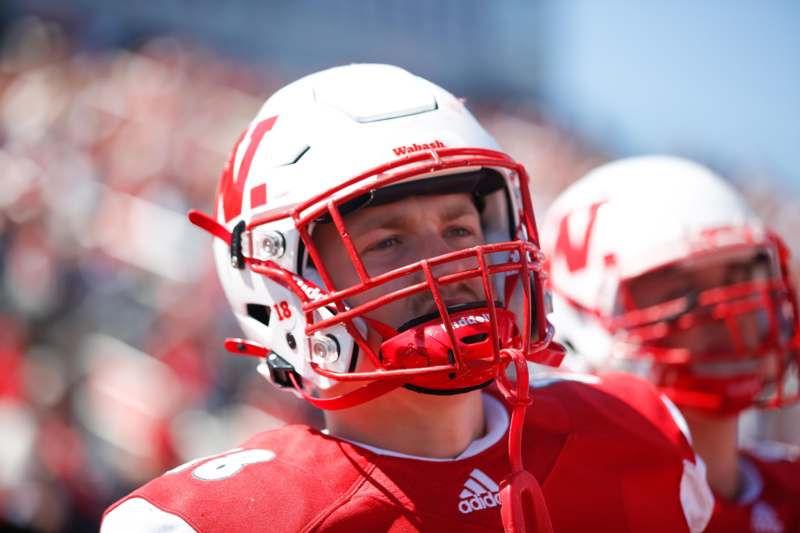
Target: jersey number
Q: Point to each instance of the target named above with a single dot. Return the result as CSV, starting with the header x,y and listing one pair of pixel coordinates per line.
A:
x,y
226,465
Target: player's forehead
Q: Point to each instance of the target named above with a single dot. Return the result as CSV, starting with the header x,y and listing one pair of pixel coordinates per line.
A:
x,y
411,210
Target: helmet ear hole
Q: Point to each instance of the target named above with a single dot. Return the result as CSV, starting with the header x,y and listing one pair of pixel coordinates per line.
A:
x,y
259,312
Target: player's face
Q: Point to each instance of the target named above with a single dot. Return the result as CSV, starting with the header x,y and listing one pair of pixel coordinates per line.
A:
x,y
687,283
393,235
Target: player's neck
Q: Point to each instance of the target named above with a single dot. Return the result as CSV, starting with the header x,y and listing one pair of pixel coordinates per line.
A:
x,y
412,423
716,441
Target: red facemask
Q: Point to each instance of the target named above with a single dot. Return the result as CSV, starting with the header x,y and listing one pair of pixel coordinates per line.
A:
x,y
722,349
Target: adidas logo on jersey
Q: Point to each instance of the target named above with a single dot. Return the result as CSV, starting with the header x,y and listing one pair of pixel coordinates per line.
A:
x,y
479,493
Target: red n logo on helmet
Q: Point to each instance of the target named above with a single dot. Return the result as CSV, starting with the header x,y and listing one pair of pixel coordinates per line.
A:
x,y
231,188
575,256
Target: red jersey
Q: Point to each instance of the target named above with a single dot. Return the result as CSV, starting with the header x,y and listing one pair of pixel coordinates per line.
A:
x,y
608,455
770,501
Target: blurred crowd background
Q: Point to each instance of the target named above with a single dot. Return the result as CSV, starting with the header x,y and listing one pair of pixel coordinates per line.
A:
x,y
111,318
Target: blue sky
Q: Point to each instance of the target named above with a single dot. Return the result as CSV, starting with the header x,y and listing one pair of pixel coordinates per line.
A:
x,y
718,80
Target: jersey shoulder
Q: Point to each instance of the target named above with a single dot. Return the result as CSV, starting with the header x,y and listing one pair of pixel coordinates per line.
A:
x,y
772,490
295,473
620,403
630,442
779,466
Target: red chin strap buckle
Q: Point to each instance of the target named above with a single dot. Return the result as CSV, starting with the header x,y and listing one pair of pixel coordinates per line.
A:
x,y
523,507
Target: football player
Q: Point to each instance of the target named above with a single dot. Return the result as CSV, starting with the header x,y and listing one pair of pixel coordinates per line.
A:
x,y
382,258
659,267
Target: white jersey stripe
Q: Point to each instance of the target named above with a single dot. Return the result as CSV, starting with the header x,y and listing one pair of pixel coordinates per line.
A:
x,y
137,515
475,487
466,493
486,480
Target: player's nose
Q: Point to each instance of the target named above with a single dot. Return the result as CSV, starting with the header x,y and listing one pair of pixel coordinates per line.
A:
x,y
453,290
434,246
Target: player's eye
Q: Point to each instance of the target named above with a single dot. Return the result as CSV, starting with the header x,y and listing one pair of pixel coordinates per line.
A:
x,y
459,232
384,244
745,271
677,292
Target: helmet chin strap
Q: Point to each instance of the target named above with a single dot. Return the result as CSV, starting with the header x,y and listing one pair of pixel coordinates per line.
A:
x,y
208,224
350,399
523,507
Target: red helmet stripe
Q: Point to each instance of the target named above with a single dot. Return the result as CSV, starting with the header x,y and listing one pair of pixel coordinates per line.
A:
x,y
231,188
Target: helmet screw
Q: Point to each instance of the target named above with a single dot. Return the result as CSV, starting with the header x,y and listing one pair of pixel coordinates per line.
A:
x,y
273,244
290,341
324,349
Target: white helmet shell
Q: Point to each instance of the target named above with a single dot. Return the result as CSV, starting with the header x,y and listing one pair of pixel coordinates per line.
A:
x,y
309,137
679,208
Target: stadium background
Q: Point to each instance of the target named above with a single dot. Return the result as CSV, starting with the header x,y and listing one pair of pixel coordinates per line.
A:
x,y
115,118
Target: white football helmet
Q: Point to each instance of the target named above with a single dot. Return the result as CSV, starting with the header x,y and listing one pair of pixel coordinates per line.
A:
x,y
632,218
336,141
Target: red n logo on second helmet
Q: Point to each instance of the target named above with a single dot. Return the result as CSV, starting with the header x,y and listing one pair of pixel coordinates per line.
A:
x,y
231,188
575,255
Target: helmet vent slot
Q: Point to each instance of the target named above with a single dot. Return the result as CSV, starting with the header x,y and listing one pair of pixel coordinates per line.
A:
x,y
259,312
296,158
474,339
